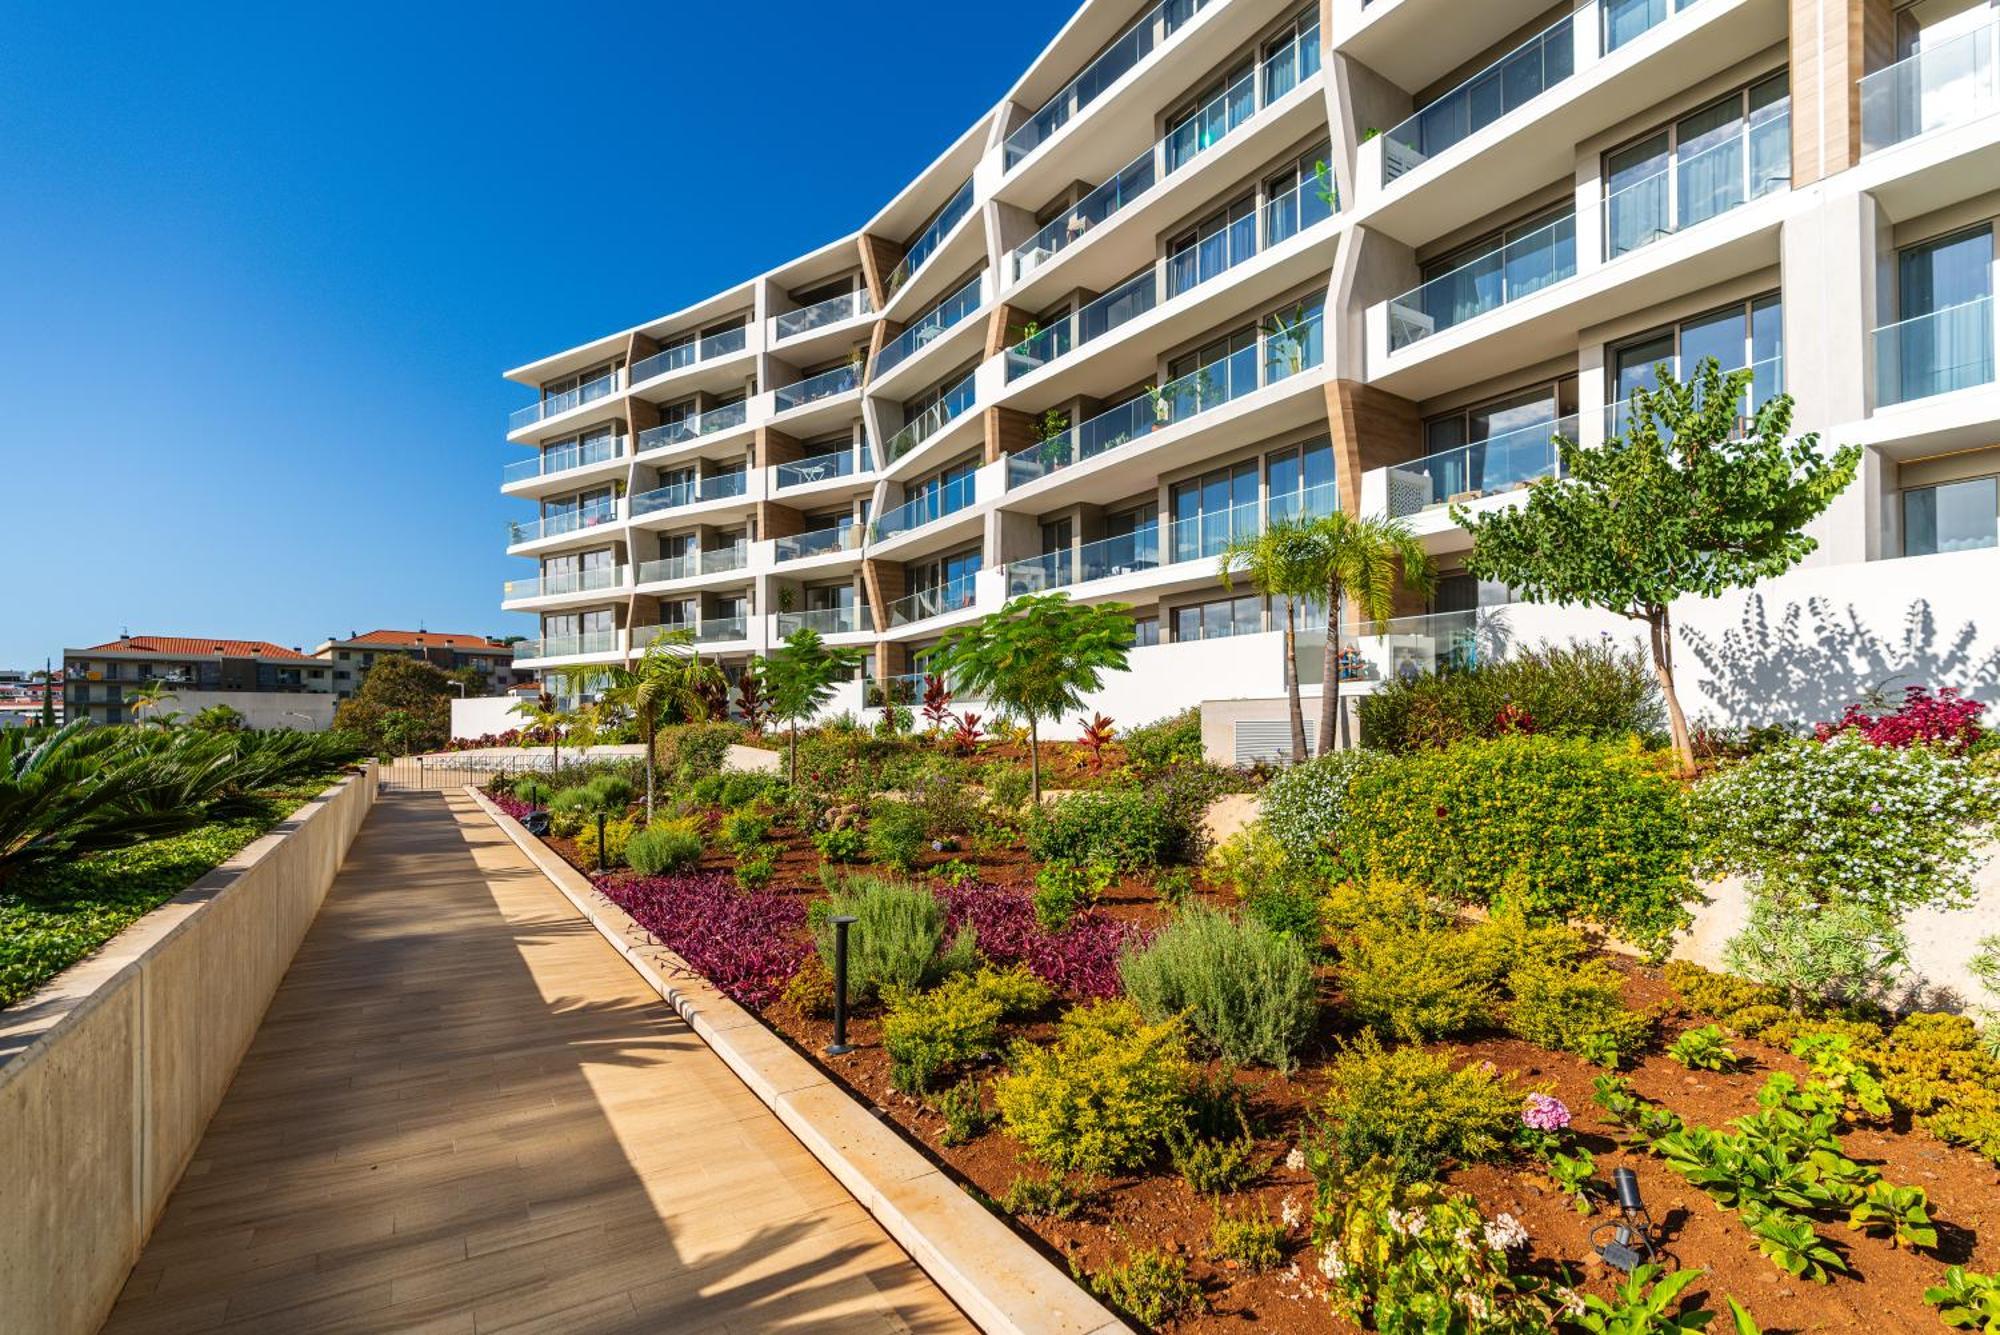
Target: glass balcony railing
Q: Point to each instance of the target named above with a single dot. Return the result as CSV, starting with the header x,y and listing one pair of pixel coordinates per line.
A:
x,y
952,596
1767,381
718,560
685,566
683,355
1283,351
824,620
1625,20
928,327
1936,353
1126,51
827,384
726,418
926,245
931,420
1479,468
1128,301
569,646
818,468
568,582
927,507
1305,205
1127,554
1946,84
1517,78
1526,264
1410,647
603,387
1704,184
721,630
798,546
558,522
832,311
565,458
1204,536
1224,114
718,487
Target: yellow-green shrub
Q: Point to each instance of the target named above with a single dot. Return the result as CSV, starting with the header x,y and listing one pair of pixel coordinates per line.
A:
x,y
1104,1095
1419,984
617,836
1408,1107
1575,1006
956,1021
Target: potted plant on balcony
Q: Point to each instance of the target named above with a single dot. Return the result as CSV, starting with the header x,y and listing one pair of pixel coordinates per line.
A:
x,y
1285,339
1163,408
1050,429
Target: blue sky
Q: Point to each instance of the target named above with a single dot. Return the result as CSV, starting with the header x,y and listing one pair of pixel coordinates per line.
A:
x,y
261,267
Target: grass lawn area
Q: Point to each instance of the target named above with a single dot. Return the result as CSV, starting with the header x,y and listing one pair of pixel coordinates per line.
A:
x,y
53,916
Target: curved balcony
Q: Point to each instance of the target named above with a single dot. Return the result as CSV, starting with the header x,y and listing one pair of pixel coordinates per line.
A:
x,y
564,459
821,314
928,241
826,385
817,468
932,420
1517,78
668,434
561,585
819,542
952,596
928,328
722,486
927,507
560,523
691,352
825,620
1485,283
1130,47
552,405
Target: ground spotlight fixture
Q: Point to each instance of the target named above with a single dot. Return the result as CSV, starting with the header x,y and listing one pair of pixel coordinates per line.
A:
x,y
1626,1241
840,1045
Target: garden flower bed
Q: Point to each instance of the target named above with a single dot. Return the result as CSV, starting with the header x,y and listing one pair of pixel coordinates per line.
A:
x,y
1451,1094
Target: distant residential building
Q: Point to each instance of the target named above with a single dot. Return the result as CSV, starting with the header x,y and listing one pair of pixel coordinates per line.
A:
x,y
21,698
270,685
351,658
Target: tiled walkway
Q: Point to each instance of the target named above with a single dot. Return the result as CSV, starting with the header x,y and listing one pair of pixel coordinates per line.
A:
x,y
464,1112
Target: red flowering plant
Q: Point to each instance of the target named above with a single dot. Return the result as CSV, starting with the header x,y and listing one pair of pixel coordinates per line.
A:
x,y
1946,719
1095,737
749,945
1513,719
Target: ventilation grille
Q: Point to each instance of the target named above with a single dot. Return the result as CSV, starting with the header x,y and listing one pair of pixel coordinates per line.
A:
x,y
1270,740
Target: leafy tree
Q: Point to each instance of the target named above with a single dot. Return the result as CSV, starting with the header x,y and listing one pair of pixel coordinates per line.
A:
x,y
1359,563
1035,658
402,707
1280,562
799,679
217,718
1689,501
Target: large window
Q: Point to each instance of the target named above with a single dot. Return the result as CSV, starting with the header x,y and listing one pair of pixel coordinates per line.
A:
x,y
1942,339
1951,517
1741,335
1225,238
1213,509
1242,615
1731,151
1493,446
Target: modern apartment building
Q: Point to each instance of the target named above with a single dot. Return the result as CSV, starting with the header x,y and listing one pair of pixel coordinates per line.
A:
x,y
1211,262
352,657
271,686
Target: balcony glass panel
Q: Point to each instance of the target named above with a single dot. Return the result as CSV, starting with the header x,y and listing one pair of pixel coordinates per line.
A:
x,y
717,630
952,596
931,421
841,538
1706,178
1935,353
1767,381
946,314
825,620
588,392
928,507
718,487
1204,536
1481,468
556,524
684,566
1511,82
1625,20
1129,300
1279,355
1132,46
717,560
1948,82
1951,517
833,310
709,346
569,646
818,468
926,244
686,429
1413,646
575,581
1506,273
1126,554
840,380
1222,113
563,458
1304,205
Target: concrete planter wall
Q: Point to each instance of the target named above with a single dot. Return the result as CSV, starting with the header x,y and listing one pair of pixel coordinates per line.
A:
x,y
109,1076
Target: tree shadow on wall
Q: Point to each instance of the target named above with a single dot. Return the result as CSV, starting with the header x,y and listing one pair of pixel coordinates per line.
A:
x,y
1816,659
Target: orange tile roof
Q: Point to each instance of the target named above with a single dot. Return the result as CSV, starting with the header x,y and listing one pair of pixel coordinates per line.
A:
x,y
425,639
191,646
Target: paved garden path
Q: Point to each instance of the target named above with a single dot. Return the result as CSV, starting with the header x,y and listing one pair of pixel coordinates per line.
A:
x,y
464,1112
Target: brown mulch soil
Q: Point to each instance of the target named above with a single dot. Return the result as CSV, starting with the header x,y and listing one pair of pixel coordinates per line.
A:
x,y
1883,1294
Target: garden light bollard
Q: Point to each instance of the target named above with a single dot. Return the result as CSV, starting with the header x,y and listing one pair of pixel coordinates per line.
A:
x,y
840,1045
600,841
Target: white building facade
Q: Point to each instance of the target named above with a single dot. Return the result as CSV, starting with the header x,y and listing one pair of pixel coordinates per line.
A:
x,y
1213,262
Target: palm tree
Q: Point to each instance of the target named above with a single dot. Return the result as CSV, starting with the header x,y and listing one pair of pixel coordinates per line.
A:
x,y
545,720
150,701
217,718
799,678
1036,657
1280,564
1359,562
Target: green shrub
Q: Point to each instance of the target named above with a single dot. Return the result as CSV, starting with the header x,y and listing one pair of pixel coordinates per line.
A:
x,y
1247,990
741,788
618,836
1063,890
1124,827
1420,984
1297,912
1576,1007
535,792
1174,740
664,847
1006,786
1558,828
756,866
1104,1095
1407,1106
957,1021
568,810
1305,808
1252,860
964,1112
1174,885
1703,1049
1598,691
842,845
1254,1242
896,835
897,941
810,990
744,829
1151,1287
1353,906
697,750
1718,995
1843,951
1216,1151
1040,1198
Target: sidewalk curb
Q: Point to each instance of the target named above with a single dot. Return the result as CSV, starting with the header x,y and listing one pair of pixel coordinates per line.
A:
x,y
1005,1286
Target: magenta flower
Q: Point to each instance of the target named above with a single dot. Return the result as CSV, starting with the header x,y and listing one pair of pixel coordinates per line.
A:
x,y
1544,1112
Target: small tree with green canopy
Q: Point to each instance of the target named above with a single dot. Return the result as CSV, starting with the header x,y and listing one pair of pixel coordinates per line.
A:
x,y
548,722
1035,658
664,685
1281,562
1358,563
1689,501
403,706
799,679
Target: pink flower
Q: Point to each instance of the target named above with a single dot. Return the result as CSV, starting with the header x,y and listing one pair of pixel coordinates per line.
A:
x,y
1545,1112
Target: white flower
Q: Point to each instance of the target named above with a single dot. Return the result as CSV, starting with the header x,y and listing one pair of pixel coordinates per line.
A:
x,y
1504,1233
1295,1162
1292,1212
1330,1264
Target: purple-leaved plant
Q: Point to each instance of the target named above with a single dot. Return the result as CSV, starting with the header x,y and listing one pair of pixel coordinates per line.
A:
x,y
1081,961
747,943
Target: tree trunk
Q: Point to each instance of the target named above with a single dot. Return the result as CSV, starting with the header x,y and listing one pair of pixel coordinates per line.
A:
x,y
1659,624
1294,708
1329,699
1035,762
652,761
795,753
